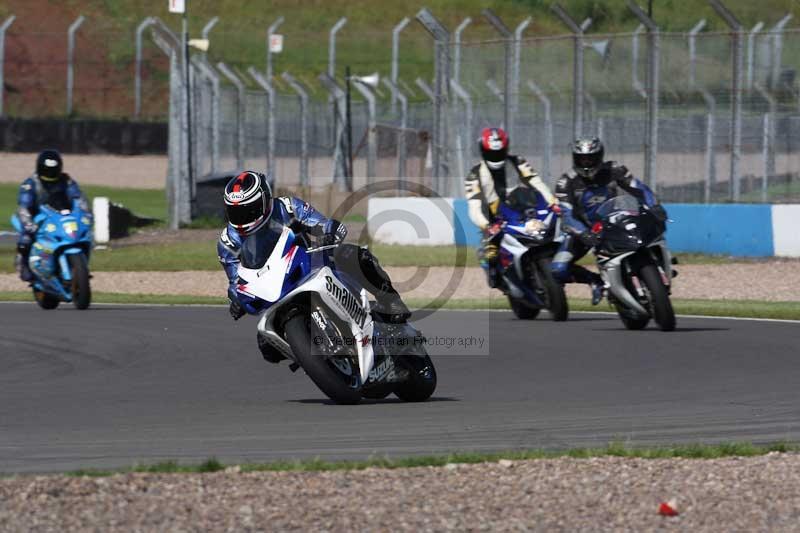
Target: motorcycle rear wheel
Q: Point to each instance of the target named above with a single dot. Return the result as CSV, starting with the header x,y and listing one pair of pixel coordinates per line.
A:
x,y
659,299
45,300
300,334
81,291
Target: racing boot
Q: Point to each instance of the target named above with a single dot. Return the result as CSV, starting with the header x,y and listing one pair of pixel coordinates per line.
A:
x,y
582,275
21,263
598,290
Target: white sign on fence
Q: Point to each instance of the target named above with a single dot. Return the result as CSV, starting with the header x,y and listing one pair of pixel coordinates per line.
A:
x,y
276,43
177,6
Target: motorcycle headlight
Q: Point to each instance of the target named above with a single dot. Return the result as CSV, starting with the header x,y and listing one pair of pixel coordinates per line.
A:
x,y
534,226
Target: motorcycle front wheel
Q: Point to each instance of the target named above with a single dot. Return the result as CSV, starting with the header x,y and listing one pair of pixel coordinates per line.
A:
x,y
556,296
81,291
421,380
659,299
45,300
301,334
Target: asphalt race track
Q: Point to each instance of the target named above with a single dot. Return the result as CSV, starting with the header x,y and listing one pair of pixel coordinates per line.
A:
x,y
119,385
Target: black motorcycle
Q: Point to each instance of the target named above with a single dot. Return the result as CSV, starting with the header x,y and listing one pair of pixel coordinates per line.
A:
x,y
634,261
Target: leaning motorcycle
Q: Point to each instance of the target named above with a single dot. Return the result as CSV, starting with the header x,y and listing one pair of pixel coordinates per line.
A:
x,y
531,237
317,317
59,257
635,263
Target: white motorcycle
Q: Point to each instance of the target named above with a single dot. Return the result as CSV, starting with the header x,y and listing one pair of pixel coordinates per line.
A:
x,y
319,319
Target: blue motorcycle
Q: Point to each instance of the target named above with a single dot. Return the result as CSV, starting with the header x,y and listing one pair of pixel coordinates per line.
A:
x,y
531,237
318,317
59,257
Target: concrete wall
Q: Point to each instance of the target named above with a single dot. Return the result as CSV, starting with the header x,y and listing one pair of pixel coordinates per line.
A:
x,y
740,230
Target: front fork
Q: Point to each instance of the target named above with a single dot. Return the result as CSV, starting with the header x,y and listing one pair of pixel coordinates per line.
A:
x,y
614,270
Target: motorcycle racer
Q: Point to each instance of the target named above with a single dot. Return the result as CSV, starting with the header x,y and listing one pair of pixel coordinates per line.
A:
x,y
250,207
48,185
580,192
486,187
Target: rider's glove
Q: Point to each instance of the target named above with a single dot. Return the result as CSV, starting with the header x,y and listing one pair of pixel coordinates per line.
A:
x,y
495,229
31,228
589,238
335,233
659,212
555,208
236,310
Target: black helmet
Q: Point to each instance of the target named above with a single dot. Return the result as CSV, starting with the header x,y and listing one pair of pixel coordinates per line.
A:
x,y
494,147
587,156
248,201
49,165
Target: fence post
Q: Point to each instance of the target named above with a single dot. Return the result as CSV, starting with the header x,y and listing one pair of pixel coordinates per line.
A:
x,y
751,45
548,128
495,89
463,137
508,39
710,158
693,51
442,78
577,96
70,58
265,84
777,49
426,88
240,112
401,136
515,71
396,58
736,90
332,46
651,144
209,73
768,138
457,48
338,96
270,32
303,95
137,110
179,201
372,133
3,29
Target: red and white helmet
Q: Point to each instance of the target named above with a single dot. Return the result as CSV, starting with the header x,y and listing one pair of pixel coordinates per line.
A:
x,y
248,202
494,147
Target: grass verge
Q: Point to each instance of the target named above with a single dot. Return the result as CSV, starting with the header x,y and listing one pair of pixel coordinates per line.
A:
x,y
143,202
614,449
711,308
201,255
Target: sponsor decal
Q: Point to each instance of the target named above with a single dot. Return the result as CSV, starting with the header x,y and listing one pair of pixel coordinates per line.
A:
x,y
350,303
380,371
235,196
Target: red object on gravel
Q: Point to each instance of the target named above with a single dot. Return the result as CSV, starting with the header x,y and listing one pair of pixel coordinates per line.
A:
x,y
667,509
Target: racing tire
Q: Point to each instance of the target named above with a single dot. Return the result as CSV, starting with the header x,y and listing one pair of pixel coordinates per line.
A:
x,y
660,303
556,296
522,310
377,393
81,290
330,381
630,322
45,300
421,380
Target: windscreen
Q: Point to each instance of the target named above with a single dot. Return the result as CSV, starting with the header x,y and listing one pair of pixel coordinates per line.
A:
x,y
621,202
257,247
